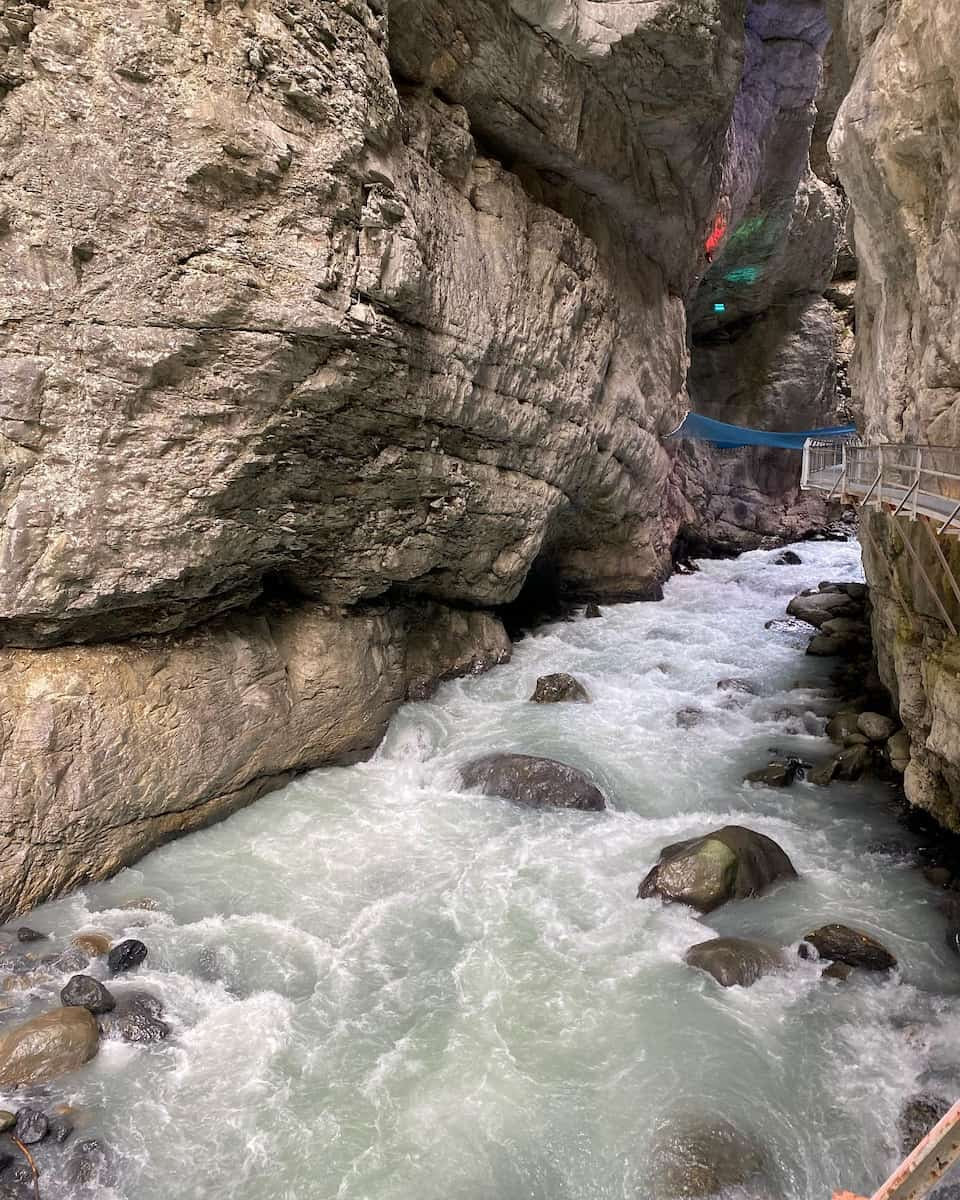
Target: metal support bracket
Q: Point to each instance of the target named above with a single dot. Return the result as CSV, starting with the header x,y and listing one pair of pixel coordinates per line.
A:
x,y
926,579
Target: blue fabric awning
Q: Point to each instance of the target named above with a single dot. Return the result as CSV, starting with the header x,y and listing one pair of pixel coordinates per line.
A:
x,y
729,437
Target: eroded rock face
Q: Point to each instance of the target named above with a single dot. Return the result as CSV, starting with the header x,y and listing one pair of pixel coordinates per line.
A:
x,y
169,734
735,962
896,147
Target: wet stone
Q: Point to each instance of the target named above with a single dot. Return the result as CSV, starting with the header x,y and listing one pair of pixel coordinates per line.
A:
x,y
744,686
776,775
918,1117
87,992
61,1128
688,717
534,782
126,956
7,1120
90,1165
876,727
554,689
789,558
26,934
592,611
94,944
837,970
32,1125
840,943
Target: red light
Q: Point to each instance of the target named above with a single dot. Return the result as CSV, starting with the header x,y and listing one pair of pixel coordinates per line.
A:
x,y
716,234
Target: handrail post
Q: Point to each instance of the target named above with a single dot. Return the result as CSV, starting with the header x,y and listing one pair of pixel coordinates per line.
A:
x,y
843,472
880,490
916,492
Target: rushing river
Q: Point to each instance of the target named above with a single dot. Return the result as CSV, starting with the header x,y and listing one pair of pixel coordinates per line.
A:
x,y
384,988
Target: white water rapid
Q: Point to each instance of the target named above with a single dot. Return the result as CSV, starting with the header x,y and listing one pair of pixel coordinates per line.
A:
x,y
384,988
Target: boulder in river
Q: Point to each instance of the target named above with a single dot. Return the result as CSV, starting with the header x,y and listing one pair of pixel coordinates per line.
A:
x,y
898,751
744,686
840,943
876,727
86,992
823,606
728,864
26,934
553,689
853,762
592,611
535,782
826,772
702,1156
94,944
47,1046
688,717
32,1125
733,961
789,558
136,1018
125,956
918,1117
775,774
842,724
7,1120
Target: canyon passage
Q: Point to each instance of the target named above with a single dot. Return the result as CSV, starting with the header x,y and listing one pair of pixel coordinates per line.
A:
x,y
431,764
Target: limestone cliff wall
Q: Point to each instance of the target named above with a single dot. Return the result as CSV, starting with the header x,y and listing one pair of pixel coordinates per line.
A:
x,y
341,310
897,149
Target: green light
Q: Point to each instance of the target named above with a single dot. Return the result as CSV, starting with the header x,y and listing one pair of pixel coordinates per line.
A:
x,y
743,275
719,308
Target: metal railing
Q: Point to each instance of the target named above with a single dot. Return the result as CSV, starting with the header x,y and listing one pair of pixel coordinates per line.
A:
x,y
923,1169
912,480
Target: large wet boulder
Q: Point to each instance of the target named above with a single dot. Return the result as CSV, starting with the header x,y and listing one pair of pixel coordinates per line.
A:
x,y
733,961
728,864
554,689
48,1046
535,782
703,1156
840,943
842,724
898,751
823,606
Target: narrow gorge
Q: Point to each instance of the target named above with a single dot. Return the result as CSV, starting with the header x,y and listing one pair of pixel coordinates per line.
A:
x,y
341,347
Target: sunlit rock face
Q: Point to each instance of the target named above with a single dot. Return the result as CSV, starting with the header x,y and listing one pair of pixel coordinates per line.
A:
x,y
896,147
342,304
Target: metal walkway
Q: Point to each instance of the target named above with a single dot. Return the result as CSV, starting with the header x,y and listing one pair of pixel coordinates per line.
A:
x,y
919,484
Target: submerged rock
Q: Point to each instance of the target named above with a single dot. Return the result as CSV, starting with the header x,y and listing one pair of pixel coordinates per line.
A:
x,y
136,1018
731,863
745,686
688,717
703,1156
733,961
789,558
86,992
837,970
592,611
825,773
26,934
553,689
94,944
842,944
90,1165
853,762
126,956
535,782
48,1046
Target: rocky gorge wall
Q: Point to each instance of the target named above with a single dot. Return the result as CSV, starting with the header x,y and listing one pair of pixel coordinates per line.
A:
x,y
896,146
322,325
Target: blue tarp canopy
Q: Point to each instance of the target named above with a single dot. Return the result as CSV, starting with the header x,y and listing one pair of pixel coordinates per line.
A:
x,y
729,437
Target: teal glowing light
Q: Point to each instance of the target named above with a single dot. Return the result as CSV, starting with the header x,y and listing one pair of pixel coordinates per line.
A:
x,y
719,308
743,275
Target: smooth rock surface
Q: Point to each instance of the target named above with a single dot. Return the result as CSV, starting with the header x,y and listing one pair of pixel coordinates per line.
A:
x,y
731,863
703,1157
534,782
47,1046
734,961
840,943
